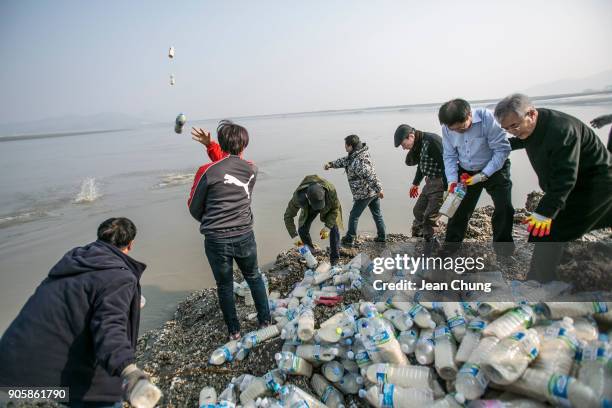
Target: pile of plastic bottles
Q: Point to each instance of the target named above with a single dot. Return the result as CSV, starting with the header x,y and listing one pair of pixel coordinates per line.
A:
x,y
406,354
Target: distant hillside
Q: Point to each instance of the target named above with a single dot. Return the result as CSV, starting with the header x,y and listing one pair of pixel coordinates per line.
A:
x,y
100,121
597,82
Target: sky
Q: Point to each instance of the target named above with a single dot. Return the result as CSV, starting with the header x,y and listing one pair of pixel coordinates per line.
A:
x,y
236,58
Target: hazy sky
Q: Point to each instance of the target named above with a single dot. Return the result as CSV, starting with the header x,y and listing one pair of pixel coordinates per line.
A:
x,y
256,57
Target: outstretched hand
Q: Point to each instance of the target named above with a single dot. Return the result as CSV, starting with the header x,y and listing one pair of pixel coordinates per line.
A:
x,y
200,135
601,121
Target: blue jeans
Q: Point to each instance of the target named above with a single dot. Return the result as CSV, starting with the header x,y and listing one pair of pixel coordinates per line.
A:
x,y
221,254
358,207
334,237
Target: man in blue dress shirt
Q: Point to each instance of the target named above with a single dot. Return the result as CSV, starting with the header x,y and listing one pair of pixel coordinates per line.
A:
x,y
474,143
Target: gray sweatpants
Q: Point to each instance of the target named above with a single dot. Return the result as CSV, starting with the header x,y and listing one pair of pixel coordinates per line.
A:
x,y
426,209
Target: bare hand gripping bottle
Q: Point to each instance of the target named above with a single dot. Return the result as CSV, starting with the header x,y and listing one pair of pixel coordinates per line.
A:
x,y
424,352
444,351
208,398
519,318
470,339
292,364
471,382
224,353
509,359
404,376
393,396
329,395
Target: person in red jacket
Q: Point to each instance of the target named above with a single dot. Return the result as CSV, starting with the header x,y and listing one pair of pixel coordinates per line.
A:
x,y
220,201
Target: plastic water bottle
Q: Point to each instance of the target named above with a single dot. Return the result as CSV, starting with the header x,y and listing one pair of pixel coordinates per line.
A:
x,y
224,353
448,401
228,397
208,398
558,347
471,382
323,272
333,371
293,396
444,351
311,261
350,383
315,353
292,364
329,395
179,122
455,319
494,309
400,320
470,339
270,383
515,403
306,323
586,329
379,338
253,338
510,357
350,365
359,353
368,309
404,376
424,351
393,396
453,200
421,316
519,318
596,366
558,310
408,340
559,390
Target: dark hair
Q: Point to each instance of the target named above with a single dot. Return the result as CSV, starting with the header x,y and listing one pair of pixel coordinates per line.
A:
x,y
233,138
455,111
352,140
118,232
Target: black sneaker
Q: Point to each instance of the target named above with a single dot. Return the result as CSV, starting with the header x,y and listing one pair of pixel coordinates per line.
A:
x,y
347,241
380,239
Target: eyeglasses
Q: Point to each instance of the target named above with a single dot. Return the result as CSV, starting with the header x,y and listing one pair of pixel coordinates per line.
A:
x,y
516,126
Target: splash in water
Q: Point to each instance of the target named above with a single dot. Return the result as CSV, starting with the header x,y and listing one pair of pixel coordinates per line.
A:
x,y
89,191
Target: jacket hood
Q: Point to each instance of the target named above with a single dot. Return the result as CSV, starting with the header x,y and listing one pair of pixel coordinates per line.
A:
x,y
95,256
359,152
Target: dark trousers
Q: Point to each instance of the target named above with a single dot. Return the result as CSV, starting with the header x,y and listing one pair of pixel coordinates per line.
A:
x,y
499,187
426,209
373,203
586,209
221,254
334,237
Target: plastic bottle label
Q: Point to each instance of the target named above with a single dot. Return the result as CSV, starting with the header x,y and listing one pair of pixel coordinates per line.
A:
x,y
381,376
387,396
414,310
362,358
557,389
475,372
441,332
228,354
526,343
327,393
381,338
456,321
477,325
271,382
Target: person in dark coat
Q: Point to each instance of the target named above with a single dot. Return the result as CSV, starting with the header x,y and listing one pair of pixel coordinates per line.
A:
x,y
79,328
425,152
574,170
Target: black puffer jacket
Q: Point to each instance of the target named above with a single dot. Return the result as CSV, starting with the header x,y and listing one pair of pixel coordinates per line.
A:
x,y
79,329
362,178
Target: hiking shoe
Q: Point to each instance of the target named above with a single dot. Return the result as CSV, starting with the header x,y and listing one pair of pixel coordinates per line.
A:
x,y
347,241
380,239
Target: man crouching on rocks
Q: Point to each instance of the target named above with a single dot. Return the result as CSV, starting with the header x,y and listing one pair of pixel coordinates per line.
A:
x,y
79,329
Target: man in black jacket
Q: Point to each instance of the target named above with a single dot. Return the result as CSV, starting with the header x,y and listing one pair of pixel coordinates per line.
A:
x,y
424,151
79,329
574,170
